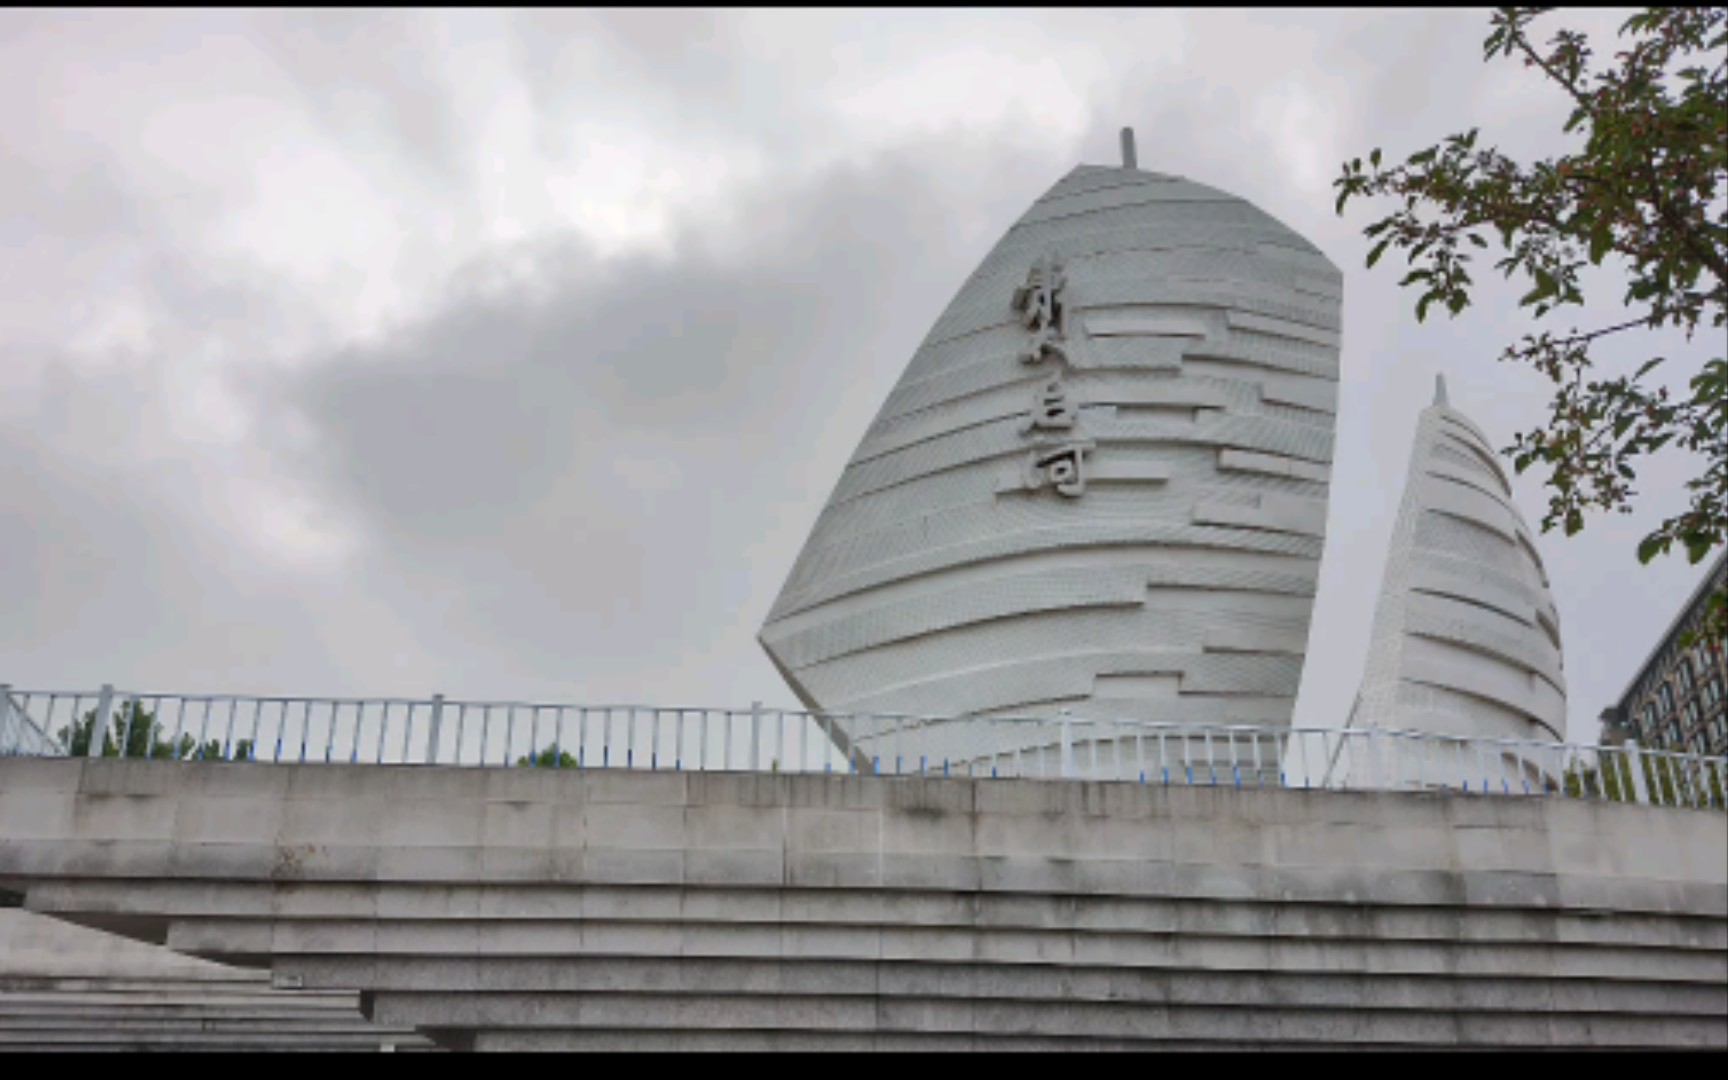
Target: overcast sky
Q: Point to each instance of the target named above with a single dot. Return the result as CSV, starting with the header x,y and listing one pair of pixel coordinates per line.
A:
x,y
512,355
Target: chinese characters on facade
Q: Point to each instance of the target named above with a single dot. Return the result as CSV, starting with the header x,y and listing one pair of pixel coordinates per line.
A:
x,y
1059,458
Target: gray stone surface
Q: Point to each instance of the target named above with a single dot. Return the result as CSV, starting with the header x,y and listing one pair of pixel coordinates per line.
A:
x,y
776,911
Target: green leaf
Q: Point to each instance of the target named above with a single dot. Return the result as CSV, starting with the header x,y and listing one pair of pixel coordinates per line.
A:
x,y
1601,239
1374,158
1650,547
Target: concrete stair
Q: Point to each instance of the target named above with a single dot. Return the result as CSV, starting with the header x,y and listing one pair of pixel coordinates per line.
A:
x,y
528,910
64,987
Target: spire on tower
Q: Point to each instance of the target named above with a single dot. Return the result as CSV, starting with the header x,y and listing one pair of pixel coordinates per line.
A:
x,y
1440,390
1128,149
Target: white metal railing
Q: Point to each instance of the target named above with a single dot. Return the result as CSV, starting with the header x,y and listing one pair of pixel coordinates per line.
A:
x,y
506,733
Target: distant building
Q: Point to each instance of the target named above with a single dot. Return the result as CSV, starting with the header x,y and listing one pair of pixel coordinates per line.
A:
x,y
1678,700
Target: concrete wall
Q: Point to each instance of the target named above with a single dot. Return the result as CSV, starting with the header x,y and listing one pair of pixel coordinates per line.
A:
x,y
504,909
1191,342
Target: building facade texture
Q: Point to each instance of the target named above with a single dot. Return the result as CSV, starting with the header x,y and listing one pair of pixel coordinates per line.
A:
x,y
1099,487
1678,700
1466,637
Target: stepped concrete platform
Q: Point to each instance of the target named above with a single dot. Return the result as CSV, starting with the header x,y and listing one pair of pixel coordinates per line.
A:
x,y
64,987
533,909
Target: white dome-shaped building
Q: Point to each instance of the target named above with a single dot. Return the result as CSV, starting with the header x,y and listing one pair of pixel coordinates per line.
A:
x,y
1099,487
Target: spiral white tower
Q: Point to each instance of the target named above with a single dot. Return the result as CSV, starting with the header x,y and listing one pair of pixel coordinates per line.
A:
x,y
1100,485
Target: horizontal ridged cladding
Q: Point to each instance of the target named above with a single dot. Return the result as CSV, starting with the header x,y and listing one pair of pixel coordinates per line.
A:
x,y
1253,350
1077,631
1479,631
1130,538
1191,471
1086,388
1088,178
1460,714
1067,204
1466,539
1000,686
1118,405
999,438
979,531
990,312
1458,645
1514,586
933,611
1260,711
1208,264
1167,269
1258,238
1469,462
1190,212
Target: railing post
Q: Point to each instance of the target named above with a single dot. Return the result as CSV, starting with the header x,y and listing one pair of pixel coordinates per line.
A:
x,y
99,730
1635,762
755,736
1067,736
432,734
6,717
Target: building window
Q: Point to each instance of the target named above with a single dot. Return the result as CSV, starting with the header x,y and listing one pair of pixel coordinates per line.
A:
x,y
1666,696
1685,675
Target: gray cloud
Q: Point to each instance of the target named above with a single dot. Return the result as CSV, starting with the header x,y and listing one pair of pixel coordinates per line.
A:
x,y
371,77
563,472
642,438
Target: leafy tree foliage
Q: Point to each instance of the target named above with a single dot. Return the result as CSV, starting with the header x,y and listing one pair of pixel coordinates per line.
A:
x,y
548,758
136,729
1649,191
1667,782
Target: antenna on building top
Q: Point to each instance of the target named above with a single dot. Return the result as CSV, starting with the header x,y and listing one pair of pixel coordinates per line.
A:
x,y
1440,390
1128,149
